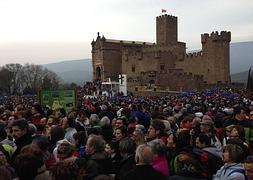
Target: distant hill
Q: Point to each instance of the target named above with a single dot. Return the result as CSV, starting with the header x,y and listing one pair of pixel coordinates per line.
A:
x,y
241,56
79,71
240,77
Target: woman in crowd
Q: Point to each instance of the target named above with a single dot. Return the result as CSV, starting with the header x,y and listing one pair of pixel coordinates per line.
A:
x,y
233,157
138,137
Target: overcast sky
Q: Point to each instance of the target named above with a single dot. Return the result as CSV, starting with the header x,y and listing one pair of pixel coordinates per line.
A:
x,y
46,31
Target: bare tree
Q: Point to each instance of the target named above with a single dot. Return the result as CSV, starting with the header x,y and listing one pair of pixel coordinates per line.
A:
x,y
16,85
5,81
15,78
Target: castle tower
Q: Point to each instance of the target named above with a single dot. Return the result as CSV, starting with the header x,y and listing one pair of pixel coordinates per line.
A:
x,y
166,30
216,51
106,59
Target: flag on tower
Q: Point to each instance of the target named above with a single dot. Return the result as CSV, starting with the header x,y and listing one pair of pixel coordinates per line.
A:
x,y
163,10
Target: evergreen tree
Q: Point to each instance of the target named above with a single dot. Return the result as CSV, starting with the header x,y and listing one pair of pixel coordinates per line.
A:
x,y
250,80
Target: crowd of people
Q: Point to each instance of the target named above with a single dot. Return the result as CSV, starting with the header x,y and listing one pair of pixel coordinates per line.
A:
x,y
192,135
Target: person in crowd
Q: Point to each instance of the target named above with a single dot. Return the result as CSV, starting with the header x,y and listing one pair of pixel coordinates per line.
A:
x,y
141,127
67,170
186,123
143,170
119,122
65,150
236,132
69,166
43,121
207,127
57,133
240,119
120,133
110,149
98,161
80,140
160,162
7,146
156,131
233,157
127,151
251,115
21,134
172,151
106,129
248,165
6,171
228,130
105,111
138,137
42,143
37,114
68,123
209,156
188,168
32,129
94,121
29,164
52,120
81,121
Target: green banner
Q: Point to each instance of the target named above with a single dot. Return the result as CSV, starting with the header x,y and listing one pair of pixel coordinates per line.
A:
x,y
60,98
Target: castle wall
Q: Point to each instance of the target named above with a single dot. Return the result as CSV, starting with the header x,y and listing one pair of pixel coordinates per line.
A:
x,y
212,62
164,65
112,60
166,30
216,49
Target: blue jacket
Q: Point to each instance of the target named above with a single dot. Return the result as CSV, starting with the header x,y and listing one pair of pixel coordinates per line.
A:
x,y
234,171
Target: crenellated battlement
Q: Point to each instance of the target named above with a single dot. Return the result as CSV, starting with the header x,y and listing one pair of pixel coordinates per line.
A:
x,y
167,17
216,36
194,55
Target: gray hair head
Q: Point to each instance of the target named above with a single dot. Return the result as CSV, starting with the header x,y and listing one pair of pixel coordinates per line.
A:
x,y
97,143
140,127
105,121
127,146
144,154
158,146
32,128
94,119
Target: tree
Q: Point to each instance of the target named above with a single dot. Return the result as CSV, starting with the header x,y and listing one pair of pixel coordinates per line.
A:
x,y
30,78
16,84
36,77
250,80
5,81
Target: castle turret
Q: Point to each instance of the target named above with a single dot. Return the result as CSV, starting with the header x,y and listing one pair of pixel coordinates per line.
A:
x,y
166,30
215,48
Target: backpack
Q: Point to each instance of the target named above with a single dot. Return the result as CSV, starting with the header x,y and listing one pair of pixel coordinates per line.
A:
x,y
208,162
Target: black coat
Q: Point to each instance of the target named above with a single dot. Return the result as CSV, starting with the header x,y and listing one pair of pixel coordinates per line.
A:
x,y
125,166
107,133
146,172
98,163
21,142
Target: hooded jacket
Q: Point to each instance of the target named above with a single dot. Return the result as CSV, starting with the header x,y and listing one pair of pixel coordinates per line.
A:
x,y
230,171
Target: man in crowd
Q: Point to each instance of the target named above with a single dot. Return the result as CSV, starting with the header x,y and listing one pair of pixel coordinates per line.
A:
x,y
143,170
21,134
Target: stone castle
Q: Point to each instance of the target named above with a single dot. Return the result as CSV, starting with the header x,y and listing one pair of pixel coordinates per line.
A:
x,y
163,65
